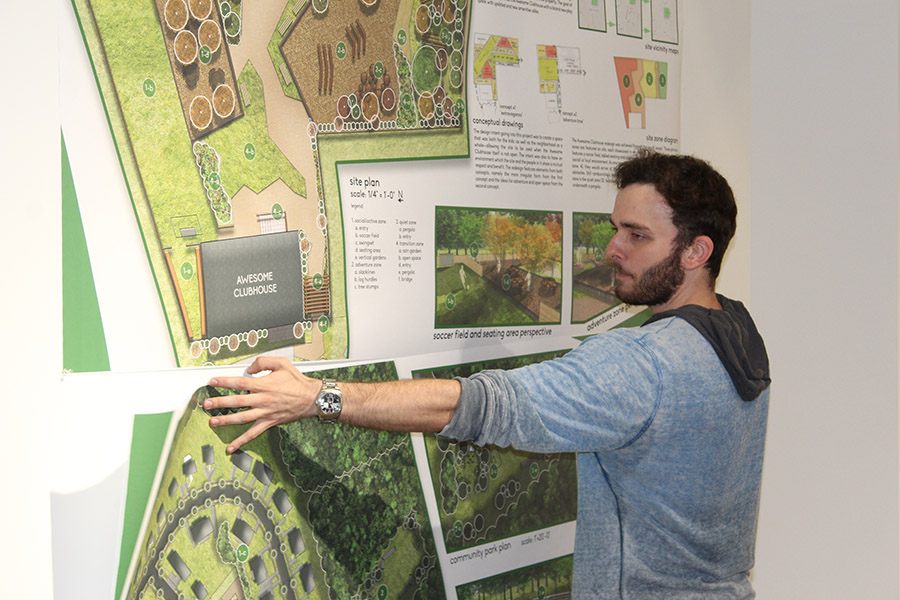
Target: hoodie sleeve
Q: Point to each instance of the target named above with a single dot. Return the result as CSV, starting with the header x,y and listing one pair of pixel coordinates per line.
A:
x,y
600,396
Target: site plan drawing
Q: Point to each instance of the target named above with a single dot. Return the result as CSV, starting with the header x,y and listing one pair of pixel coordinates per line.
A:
x,y
229,120
549,579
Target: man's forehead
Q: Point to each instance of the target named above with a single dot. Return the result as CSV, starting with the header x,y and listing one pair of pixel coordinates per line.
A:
x,y
640,205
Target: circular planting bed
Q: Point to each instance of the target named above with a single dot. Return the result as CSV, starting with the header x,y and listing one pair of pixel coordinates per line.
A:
x,y
223,100
447,105
210,35
232,23
425,74
200,112
426,106
423,21
456,78
370,106
200,8
449,12
388,99
176,14
457,40
343,106
185,47
441,59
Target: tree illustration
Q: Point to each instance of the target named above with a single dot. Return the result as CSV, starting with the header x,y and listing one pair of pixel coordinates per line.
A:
x,y
499,235
585,232
601,237
470,226
446,228
537,249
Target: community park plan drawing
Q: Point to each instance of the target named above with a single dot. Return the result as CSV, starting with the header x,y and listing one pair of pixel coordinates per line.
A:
x,y
229,119
486,494
302,512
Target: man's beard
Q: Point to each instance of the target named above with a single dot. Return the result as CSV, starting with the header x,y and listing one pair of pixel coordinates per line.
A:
x,y
656,285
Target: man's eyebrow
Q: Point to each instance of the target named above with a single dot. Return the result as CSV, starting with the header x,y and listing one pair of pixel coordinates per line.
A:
x,y
630,225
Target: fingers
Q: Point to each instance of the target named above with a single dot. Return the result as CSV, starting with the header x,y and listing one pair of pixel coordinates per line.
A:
x,y
268,363
279,396
238,401
248,436
238,418
234,383
254,415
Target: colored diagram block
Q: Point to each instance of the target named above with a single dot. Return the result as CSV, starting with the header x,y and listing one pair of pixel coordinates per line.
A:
x,y
491,51
547,69
639,80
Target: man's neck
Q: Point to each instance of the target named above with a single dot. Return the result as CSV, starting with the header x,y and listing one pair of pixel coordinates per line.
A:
x,y
690,295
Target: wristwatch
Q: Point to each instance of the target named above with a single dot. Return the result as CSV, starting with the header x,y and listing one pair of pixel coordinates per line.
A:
x,y
329,401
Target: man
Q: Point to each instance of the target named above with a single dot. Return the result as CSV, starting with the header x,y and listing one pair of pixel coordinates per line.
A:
x,y
668,419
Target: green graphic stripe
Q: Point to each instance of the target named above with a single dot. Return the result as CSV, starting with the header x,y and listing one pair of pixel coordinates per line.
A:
x,y
147,440
84,344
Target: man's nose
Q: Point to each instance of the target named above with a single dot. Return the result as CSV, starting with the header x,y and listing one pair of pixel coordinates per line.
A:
x,y
614,248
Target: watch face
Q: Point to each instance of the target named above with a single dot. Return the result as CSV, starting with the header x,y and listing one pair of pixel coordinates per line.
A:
x,y
330,403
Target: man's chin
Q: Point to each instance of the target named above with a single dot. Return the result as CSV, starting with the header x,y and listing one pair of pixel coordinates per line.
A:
x,y
621,294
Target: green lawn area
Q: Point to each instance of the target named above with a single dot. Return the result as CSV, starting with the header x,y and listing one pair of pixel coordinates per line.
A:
x,y
268,163
278,58
135,51
480,305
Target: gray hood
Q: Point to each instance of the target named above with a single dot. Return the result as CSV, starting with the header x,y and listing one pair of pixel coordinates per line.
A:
x,y
734,336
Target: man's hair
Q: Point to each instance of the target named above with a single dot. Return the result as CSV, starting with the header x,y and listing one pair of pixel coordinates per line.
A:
x,y
701,200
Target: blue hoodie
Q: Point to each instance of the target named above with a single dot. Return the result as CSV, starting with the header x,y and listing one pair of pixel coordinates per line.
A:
x,y
670,449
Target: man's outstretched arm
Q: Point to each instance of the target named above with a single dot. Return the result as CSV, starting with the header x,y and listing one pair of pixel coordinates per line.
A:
x,y
285,395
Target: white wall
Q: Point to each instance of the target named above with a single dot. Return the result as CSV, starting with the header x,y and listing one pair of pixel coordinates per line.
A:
x,y
716,112
825,281
816,86
31,319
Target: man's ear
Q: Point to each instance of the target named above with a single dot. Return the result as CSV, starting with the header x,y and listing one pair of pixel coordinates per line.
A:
x,y
697,253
